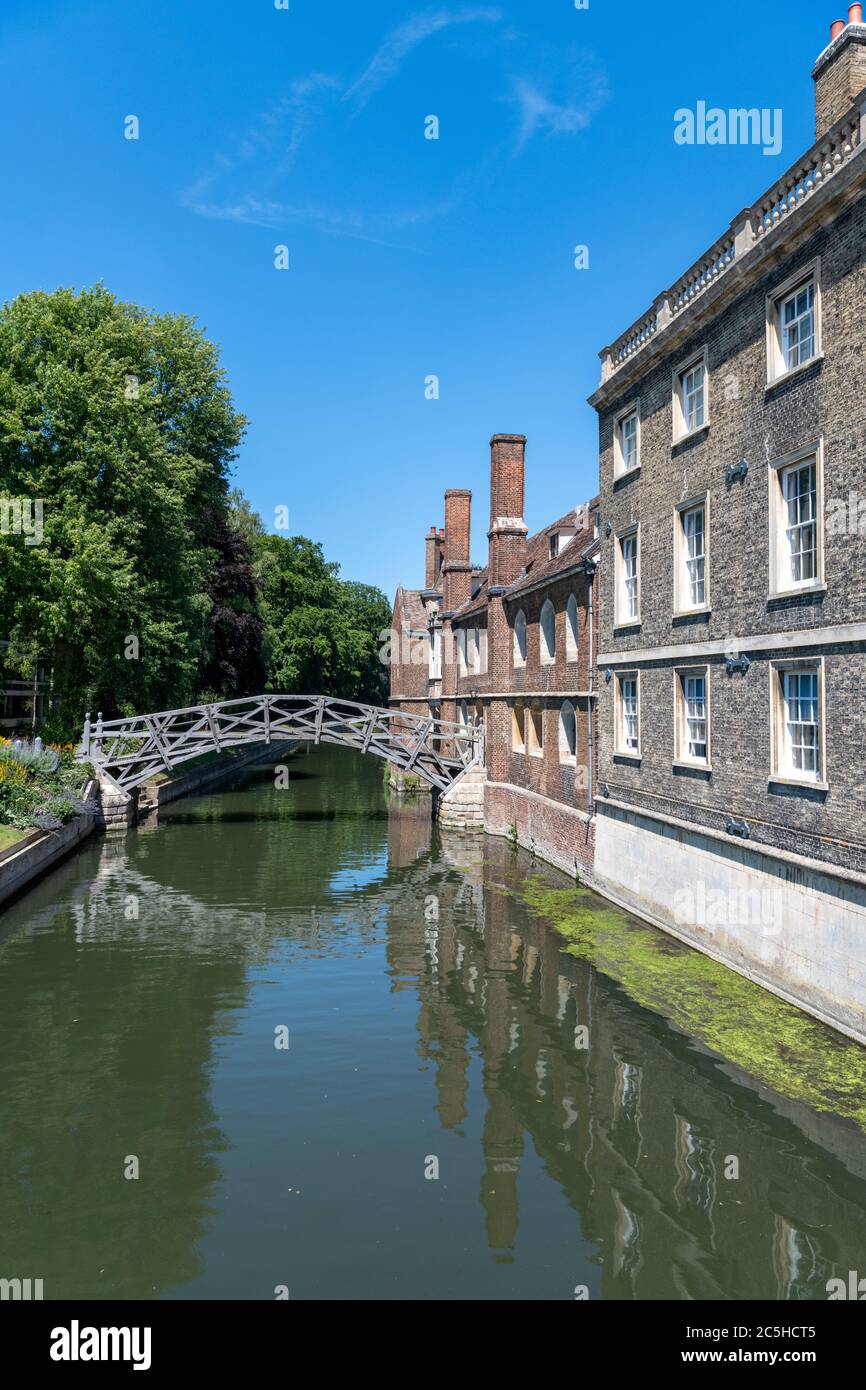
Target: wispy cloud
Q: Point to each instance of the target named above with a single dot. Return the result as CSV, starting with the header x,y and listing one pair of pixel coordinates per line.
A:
x,y
397,46
262,156
584,90
255,181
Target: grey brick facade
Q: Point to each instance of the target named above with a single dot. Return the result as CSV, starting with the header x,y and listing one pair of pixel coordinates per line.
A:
x,y
764,409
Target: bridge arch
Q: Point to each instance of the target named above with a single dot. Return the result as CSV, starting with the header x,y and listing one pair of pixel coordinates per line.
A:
x,y
127,752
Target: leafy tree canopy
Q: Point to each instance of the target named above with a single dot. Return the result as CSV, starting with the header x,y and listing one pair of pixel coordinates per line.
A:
x,y
120,419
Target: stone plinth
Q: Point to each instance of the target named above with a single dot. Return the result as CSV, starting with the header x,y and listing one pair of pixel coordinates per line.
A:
x,y
462,806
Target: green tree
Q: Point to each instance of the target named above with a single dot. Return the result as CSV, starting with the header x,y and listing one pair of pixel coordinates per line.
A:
x,y
322,634
121,420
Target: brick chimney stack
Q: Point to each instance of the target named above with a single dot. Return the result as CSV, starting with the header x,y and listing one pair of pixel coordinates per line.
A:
x,y
840,72
507,534
432,558
457,566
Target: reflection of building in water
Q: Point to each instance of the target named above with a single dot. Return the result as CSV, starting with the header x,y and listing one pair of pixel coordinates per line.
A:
x,y
410,829
797,1262
639,1147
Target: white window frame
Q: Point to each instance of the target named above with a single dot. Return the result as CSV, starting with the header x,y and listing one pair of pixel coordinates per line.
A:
x,y
781,583
680,431
534,722
777,366
620,469
462,665
682,593
547,648
482,651
682,756
621,618
572,629
782,769
518,646
566,756
619,741
473,655
435,667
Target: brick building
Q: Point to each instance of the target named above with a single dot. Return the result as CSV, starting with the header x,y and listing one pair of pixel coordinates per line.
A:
x,y
510,645
732,645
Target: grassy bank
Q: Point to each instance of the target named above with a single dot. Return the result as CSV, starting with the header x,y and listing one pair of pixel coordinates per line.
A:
x,y
9,836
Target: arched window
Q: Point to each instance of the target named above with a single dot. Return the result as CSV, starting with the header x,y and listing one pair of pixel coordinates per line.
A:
x,y
518,729
520,638
548,633
571,629
567,733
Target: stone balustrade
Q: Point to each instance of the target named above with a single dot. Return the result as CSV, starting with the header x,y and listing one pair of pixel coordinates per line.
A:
x,y
801,181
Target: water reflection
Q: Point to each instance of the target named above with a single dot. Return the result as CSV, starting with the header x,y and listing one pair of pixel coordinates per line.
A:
x,y
692,1179
584,1139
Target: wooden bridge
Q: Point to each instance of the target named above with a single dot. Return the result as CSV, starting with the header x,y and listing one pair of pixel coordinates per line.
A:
x,y
126,752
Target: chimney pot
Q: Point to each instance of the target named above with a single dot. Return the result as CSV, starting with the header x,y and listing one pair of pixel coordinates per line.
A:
x,y
855,14
836,28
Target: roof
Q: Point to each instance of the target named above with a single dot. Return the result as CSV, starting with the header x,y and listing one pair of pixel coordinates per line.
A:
x,y
411,607
541,567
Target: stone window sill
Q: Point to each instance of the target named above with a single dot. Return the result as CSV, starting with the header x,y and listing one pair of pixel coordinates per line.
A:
x,y
629,757
690,434
802,783
692,612
687,765
793,372
819,588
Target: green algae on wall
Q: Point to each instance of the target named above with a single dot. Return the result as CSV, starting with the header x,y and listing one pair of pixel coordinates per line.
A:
x,y
774,1042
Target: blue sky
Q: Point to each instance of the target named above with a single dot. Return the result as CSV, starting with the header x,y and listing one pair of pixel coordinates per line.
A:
x,y
408,257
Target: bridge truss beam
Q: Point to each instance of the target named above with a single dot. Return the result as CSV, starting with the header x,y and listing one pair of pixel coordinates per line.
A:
x,y
127,752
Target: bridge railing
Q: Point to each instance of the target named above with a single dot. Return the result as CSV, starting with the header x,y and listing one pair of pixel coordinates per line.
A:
x,y
128,751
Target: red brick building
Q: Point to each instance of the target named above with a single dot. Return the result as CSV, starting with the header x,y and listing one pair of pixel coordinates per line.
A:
x,y
510,645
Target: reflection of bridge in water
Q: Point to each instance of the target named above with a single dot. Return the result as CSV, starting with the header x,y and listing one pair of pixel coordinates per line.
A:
x,y
126,752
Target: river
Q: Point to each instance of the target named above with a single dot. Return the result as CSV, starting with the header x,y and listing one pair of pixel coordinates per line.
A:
x,y
293,1040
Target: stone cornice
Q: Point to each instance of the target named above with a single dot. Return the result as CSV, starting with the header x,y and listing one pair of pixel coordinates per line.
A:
x,y
813,190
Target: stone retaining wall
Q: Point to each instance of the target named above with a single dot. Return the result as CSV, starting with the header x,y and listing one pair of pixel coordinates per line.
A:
x,y
38,853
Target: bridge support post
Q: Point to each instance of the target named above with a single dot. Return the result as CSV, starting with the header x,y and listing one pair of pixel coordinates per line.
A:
x,y
117,810
461,807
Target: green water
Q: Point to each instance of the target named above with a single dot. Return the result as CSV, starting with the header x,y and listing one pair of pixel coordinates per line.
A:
x,y
605,1109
